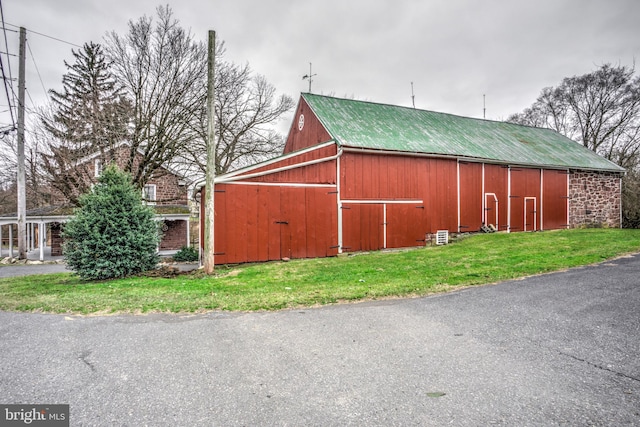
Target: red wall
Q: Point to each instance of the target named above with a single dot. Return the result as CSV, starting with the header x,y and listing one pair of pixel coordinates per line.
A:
x,y
312,132
262,223
554,199
525,184
471,213
496,181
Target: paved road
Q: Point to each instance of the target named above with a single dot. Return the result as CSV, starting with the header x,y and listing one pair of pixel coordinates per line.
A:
x,y
558,349
31,269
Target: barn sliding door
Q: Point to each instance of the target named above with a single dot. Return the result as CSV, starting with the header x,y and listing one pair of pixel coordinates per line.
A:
x,y
373,225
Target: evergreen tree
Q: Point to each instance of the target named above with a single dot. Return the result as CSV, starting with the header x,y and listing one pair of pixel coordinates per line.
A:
x,y
90,115
112,234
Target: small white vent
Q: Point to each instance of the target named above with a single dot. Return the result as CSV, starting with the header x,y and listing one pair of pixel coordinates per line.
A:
x,y
442,237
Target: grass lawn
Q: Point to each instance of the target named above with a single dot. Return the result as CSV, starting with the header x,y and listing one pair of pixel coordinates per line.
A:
x,y
479,259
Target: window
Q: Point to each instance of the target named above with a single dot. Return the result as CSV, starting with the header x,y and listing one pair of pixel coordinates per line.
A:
x,y
149,194
97,166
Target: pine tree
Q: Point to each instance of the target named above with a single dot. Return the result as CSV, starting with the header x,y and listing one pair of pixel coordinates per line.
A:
x,y
91,114
112,234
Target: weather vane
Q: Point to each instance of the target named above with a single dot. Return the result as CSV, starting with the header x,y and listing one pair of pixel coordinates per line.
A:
x,y
309,76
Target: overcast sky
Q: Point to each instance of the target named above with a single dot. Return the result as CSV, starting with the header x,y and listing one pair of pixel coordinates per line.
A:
x,y
453,51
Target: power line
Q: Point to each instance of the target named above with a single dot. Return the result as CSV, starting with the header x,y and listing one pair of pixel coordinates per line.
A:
x,y
48,36
4,76
36,67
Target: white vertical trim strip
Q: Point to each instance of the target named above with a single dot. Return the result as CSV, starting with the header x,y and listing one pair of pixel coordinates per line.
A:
x,y
339,203
541,199
188,233
41,227
10,240
458,183
384,223
483,213
509,200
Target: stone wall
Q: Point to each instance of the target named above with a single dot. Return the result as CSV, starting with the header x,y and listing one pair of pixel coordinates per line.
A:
x,y
594,199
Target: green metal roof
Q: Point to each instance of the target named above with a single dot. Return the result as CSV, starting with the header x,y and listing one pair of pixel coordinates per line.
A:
x,y
370,125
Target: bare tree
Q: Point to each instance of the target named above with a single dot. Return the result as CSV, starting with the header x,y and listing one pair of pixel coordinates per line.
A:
x,y
163,70
601,110
247,108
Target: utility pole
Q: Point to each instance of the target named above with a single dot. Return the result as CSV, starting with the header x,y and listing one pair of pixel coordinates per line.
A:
x,y
209,212
22,205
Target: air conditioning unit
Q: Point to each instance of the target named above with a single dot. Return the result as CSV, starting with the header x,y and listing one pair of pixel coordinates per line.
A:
x,y
442,237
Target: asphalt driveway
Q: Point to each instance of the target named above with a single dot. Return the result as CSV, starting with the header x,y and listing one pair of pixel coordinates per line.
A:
x,y
557,349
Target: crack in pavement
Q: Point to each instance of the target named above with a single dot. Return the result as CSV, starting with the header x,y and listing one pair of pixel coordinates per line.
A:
x,y
83,356
604,368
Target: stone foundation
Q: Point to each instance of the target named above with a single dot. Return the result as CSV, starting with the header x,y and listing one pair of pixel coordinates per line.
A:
x,y
594,199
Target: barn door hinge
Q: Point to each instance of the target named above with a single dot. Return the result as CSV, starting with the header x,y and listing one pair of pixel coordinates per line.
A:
x,y
419,207
282,222
219,191
514,197
344,207
332,192
219,253
334,247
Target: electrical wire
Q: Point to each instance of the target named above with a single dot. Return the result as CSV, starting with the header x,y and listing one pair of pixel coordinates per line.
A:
x,y
36,67
4,76
47,36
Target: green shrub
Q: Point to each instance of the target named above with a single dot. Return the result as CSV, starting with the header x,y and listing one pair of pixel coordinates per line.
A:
x,y
112,234
186,254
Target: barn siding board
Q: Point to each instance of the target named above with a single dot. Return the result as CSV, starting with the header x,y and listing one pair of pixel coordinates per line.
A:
x,y
274,217
554,199
525,183
496,182
264,218
313,132
443,195
320,173
471,214
405,225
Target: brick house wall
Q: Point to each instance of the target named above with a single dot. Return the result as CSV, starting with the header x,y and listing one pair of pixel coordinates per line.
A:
x,y
170,188
594,199
55,235
174,235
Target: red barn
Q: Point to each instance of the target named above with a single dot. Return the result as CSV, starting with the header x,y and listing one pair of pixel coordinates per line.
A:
x,y
364,176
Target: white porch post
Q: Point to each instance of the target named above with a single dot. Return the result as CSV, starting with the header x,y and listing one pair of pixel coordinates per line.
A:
x,y
41,239
10,240
188,234
0,241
